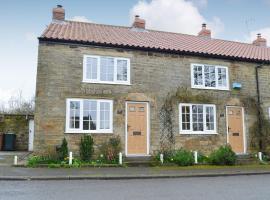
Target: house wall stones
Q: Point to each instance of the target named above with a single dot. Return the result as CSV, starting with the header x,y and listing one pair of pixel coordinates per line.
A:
x,y
153,76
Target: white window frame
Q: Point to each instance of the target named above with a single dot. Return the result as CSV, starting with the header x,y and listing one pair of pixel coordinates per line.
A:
x,y
191,122
115,81
80,129
203,77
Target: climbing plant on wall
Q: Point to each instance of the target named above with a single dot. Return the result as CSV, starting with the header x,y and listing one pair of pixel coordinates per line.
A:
x,y
167,114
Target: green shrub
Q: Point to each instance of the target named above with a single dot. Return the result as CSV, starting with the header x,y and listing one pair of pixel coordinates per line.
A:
x,y
86,148
63,150
202,159
223,156
183,157
167,156
110,150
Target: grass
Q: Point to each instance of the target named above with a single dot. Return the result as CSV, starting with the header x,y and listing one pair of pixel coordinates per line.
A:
x,y
209,167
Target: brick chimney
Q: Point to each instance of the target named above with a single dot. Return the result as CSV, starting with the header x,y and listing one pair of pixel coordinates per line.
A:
x,y
261,42
205,32
58,13
138,22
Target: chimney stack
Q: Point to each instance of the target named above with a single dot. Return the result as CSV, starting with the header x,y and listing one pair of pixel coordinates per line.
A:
x,y
58,13
205,32
261,42
138,22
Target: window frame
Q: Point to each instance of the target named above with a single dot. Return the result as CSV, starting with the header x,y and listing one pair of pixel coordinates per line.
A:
x,y
190,132
80,129
115,81
203,77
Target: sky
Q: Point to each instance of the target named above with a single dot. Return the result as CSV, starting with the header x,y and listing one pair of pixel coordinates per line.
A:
x,y
23,21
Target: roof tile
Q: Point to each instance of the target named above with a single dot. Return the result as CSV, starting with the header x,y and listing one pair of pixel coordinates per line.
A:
x,y
159,40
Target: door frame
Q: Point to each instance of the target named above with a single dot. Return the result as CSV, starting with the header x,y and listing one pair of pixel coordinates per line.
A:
x,y
148,129
31,121
244,127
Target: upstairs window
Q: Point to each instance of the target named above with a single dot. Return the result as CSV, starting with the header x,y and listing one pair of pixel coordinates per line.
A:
x,y
197,118
209,77
110,70
89,116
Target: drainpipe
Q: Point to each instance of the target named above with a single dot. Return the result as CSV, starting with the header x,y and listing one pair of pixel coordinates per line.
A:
x,y
259,106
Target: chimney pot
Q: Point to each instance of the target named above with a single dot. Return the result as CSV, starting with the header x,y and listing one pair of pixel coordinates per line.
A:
x,y
205,32
58,13
138,22
260,41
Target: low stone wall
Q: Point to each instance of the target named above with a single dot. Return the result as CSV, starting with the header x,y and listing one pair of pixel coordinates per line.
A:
x,y
18,124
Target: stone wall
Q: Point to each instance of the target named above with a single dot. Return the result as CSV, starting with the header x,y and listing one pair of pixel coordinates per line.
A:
x,y
153,76
19,125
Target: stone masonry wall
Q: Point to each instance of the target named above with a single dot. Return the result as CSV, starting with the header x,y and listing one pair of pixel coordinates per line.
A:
x,y
153,76
18,125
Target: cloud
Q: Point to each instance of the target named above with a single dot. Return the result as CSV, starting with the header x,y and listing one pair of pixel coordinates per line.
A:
x,y
5,95
253,35
181,16
80,19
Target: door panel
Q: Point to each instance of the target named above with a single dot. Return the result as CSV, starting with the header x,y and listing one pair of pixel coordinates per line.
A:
x,y
137,128
235,129
31,135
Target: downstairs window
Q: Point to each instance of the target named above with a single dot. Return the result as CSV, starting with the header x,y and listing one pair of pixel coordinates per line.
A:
x,y
197,118
89,116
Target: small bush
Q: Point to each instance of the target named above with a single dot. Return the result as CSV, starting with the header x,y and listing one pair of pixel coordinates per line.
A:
x,y
33,161
63,150
202,159
183,157
223,156
110,150
86,148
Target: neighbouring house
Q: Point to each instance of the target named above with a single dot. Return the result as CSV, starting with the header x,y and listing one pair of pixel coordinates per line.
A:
x,y
157,90
22,125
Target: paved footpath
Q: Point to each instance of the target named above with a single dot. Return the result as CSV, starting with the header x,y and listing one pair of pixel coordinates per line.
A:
x,y
20,173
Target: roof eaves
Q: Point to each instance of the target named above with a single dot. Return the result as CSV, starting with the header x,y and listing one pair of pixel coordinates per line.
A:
x,y
186,52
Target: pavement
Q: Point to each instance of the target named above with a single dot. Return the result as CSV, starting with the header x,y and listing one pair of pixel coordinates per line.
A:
x,y
118,173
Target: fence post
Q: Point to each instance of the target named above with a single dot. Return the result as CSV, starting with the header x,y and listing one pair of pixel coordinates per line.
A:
x,y
70,158
260,156
161,157
120,158
195,157
15,160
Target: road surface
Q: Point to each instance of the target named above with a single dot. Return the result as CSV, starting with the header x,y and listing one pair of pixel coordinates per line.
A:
x,y
213,188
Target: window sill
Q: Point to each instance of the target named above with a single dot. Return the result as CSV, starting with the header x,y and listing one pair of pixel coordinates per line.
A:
x,y
198,133
203,88
107,83
87,132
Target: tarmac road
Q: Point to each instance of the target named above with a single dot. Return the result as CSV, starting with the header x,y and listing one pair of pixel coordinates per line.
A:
x,y
255,187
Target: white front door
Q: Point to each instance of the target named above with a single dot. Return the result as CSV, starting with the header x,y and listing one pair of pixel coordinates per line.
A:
x,y
31,135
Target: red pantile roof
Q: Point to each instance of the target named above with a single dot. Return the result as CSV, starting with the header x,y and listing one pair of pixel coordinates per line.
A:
x,y
98,34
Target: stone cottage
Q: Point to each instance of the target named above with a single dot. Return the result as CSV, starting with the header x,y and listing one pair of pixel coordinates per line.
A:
x,y
154,89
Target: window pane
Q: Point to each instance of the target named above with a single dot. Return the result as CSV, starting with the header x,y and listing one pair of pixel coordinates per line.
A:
x,y
74,115
209,76
222,77
197,75
89,115
91,68
121,70
106,69
210,123
105,115
197,117
185,118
